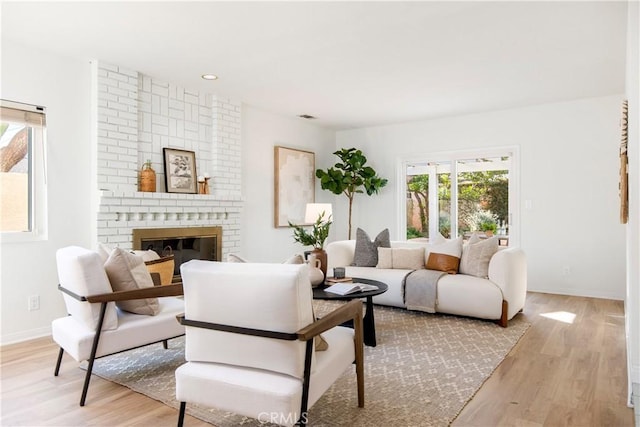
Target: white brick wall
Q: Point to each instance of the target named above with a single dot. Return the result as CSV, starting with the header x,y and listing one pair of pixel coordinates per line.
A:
x,y
137,117
122,211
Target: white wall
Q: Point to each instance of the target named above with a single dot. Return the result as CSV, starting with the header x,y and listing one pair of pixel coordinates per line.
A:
x,y
632,303
569,170
61,85
261,131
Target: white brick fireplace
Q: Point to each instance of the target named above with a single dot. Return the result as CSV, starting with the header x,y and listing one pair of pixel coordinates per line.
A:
x,y
137,116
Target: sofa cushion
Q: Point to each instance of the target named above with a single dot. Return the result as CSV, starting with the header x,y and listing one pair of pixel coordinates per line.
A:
x,y
133,331
128,272
403,258
81,271
366,253
476,255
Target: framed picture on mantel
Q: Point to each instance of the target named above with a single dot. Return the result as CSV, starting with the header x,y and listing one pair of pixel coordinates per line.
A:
x,y
294,184
180,171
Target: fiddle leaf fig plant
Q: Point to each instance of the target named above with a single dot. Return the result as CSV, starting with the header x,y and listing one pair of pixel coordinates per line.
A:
x,y
318,234
350,176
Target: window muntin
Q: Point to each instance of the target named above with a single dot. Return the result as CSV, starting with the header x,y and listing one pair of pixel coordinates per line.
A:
x,y
483,194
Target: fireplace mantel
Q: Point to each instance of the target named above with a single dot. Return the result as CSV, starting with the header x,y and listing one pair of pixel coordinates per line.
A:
x,y
119,212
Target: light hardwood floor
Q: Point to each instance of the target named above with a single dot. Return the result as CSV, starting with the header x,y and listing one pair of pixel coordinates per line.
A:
x,y
559,374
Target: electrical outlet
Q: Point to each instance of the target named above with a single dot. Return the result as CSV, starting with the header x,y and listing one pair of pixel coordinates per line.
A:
x,y
34,302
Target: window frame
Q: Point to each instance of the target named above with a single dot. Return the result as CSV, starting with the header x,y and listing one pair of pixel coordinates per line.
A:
x,y
453,156
37,178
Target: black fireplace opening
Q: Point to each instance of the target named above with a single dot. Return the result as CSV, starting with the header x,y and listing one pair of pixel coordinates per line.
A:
x,y
183,249
185,244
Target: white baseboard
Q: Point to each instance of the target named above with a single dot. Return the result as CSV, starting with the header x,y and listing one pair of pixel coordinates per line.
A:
x,y
580,293
25,335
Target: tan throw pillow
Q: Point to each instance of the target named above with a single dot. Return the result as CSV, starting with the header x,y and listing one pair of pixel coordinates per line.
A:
x,y
401,258
476,256
443,262
385,259
320,343
127,272
408,259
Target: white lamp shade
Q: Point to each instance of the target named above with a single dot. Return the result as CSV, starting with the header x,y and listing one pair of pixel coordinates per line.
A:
x,y
314,210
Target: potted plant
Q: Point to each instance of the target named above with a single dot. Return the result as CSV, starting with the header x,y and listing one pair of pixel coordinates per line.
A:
x,y
486,221
315,237
350,176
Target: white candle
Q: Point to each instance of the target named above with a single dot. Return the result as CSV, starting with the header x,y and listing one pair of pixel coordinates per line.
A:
x,y
200,178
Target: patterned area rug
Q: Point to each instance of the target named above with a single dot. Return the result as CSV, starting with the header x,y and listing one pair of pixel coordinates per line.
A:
x,y
425,368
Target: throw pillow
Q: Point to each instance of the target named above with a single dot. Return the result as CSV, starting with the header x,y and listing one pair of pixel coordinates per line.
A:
x,y
443,262
294,259
235,258
104,251
148,255
445,256
476,256
451,247
366,252
320,343
127,272
385,259
401,258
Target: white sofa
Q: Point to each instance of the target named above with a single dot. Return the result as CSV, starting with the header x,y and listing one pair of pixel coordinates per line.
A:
x,y
499,297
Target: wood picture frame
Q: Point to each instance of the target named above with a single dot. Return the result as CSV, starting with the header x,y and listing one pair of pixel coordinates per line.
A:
x,y
624,164
180,171
294,185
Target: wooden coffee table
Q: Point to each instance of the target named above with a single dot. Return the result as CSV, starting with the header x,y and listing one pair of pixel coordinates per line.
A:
x,y
369,325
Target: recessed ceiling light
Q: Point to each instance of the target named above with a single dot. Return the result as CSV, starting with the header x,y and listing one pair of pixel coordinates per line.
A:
x,y
210,77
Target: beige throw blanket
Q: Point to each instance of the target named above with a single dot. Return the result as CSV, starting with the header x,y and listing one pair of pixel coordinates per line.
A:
x,y
421,290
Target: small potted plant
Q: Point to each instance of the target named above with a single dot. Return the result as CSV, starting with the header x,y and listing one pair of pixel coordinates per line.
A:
x,y
314,237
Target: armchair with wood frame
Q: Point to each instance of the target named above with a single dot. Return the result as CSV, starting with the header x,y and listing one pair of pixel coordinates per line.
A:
x,y
95,327
250,332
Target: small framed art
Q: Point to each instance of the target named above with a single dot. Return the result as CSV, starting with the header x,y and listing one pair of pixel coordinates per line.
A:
x,y
180,171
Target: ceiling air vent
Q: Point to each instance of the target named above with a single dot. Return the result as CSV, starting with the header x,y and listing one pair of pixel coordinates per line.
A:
x,y
306,116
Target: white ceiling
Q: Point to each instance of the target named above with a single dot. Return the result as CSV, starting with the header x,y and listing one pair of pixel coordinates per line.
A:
x,y
349,64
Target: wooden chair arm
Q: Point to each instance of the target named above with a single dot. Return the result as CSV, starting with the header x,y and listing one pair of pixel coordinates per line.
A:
x,y
154,292
350,311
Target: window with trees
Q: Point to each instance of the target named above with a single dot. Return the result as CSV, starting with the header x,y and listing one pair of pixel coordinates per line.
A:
x,y
457,194
22,174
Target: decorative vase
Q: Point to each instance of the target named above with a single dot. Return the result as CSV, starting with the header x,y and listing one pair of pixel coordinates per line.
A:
x,y
147,178
316,276
321,255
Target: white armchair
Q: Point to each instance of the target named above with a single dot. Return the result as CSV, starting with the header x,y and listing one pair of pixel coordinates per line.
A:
x,y
95,327
249,341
